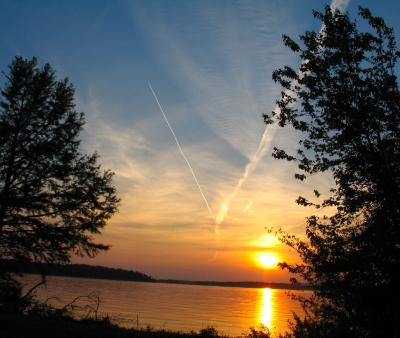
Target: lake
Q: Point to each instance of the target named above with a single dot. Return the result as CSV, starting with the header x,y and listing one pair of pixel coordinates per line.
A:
x,y
231,310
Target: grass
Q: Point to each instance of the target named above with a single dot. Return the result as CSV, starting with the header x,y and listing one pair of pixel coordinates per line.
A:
x,y
62,327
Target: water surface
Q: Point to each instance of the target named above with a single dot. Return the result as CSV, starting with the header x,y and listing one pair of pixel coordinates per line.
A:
x,y
231,310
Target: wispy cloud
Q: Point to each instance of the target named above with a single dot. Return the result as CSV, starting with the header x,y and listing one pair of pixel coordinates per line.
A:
x,y
220,95
340,5
263,146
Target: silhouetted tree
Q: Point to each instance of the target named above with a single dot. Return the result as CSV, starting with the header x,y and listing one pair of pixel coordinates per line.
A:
x,y
345,101
52,197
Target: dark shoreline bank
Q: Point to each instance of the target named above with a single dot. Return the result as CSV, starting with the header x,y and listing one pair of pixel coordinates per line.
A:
x,y
22,326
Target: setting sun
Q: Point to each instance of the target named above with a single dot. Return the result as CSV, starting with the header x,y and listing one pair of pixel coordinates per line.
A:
x,y
181,136
267,260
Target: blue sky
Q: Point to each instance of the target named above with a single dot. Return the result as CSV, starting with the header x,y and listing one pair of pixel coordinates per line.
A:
x,y
210,63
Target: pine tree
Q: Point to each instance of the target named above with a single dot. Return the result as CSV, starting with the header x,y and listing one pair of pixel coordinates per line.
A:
x,y
52,197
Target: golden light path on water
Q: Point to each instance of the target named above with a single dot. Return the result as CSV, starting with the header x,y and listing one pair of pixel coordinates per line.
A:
x,y
266,307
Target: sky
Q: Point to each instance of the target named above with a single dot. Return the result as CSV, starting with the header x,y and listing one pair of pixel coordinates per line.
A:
x,y
197,211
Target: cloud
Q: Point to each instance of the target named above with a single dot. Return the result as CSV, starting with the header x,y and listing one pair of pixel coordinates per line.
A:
x,y
219,93
340,5
263,147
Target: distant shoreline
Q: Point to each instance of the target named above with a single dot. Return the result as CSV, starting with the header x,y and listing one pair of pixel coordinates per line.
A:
x,y
243,284
102,272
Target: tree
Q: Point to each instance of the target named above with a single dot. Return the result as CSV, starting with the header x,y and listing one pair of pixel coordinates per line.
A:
x,y
345,102
52,197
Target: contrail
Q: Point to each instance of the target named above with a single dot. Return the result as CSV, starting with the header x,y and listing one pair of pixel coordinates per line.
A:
x,y
263,146
248,206
182,153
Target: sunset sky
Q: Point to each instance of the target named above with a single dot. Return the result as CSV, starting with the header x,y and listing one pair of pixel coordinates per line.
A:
x,y
210,65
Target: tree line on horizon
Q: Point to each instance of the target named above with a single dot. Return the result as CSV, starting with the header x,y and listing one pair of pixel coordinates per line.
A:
x,y
74,270
344,101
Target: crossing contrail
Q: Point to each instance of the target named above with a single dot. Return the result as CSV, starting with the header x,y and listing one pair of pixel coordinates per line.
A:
x,y
263,146
182,153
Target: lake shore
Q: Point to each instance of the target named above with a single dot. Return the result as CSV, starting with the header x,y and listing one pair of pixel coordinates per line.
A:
x,y
107,273
175,307
21,326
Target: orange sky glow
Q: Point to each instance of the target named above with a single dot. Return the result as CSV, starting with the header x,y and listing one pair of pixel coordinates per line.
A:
x,y
189,148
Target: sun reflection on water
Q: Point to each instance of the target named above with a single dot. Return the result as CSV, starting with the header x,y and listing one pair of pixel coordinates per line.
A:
x,y
266,308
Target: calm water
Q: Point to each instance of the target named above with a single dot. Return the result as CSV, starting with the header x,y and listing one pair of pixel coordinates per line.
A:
x,y
178,307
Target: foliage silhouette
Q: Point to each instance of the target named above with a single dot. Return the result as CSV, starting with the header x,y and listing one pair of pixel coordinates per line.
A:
x,y
63,326
52,197
259,332
345,102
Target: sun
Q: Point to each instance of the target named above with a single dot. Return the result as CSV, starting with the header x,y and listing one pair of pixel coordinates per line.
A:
x,y
267,260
